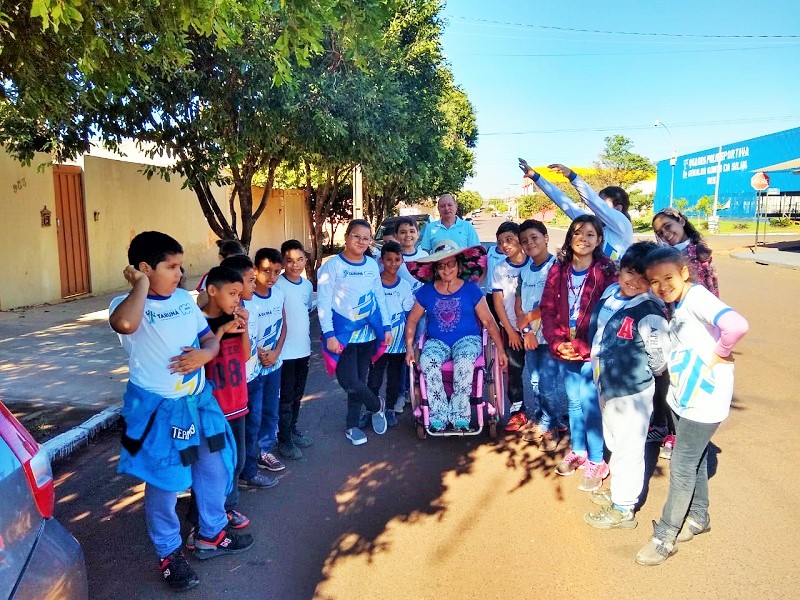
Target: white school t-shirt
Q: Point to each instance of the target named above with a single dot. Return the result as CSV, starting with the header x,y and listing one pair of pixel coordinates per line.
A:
x,y
169,324
531,282
405,274
697,392
505,279
493,258
399,300
270,324
297,305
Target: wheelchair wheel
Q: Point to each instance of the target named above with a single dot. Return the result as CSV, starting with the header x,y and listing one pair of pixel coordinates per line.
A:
x,y
421,433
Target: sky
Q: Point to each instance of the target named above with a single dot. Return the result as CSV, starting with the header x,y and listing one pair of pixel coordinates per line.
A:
x,y
549,83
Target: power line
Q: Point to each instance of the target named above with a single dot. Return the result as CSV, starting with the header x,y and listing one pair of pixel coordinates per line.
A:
x,y
630,33
618,53
639,127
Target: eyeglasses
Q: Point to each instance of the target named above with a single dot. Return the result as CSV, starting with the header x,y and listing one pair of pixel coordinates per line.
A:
x,y
448,265
361,239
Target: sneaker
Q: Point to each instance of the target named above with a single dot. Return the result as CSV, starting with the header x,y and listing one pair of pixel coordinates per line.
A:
x,y
400,404
355,435
301,440
691,527
656,434
611,517
516,422
593,476
601,498
548,442
436,425
666,447
261,481
534,434
268,461
461,425
391,418
177,572
221,544
289,451
189,543
570,464
379,424
236,520
655,552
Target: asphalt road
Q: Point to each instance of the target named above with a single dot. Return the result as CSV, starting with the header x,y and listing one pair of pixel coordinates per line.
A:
x,y
468,518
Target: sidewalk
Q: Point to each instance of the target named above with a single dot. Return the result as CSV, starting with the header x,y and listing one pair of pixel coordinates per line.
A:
x,y
780,254
62,371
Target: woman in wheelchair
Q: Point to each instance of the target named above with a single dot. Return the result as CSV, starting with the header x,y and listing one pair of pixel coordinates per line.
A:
x,y
456,310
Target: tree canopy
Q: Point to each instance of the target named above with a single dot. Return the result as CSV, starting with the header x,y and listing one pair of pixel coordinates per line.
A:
x,y
619,165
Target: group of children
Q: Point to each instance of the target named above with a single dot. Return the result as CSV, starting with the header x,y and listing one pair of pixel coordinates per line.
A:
x,y
248,336
599,330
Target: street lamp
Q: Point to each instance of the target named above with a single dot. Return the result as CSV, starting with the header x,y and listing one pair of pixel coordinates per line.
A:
x,y
672,159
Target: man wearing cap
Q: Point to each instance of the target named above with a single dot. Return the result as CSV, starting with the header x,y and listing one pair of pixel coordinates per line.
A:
x,y
449,227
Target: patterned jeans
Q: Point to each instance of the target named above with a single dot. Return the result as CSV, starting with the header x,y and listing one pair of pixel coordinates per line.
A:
x,y
464,353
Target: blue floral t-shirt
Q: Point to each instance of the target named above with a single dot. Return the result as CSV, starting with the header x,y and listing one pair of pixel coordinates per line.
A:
x,y
451,316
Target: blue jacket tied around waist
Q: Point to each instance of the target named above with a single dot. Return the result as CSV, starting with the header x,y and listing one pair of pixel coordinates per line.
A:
x,y
161,436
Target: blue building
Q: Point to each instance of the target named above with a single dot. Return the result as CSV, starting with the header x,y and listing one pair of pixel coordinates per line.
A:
x,y
695,175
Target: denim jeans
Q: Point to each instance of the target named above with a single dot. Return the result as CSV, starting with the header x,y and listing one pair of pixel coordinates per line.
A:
x,y
209,482
270,404
585,421
544,374
351,373
252,425
688,477
294,374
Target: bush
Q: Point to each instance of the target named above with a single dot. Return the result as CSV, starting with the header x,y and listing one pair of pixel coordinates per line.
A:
x,y
704,224
640,225
780,222
741,225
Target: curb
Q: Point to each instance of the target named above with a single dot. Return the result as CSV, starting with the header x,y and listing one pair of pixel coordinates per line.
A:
x,y
64,444
760,259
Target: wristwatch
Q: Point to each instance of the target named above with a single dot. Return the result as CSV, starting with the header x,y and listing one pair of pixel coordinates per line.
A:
x,y
526,330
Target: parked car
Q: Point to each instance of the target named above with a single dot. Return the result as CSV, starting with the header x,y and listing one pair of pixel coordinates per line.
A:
x,y
38,557
422,222
468,219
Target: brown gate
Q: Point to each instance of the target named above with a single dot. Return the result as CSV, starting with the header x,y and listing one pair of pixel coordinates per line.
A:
x,y
73,256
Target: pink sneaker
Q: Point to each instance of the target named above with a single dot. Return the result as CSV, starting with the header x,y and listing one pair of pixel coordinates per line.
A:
x,y
593,476
570,464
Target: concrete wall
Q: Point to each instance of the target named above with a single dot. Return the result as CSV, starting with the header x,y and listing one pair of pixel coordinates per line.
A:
x,y
29,269
120,202
128,203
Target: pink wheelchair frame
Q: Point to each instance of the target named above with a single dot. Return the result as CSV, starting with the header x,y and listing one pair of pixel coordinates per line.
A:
x,y
487,380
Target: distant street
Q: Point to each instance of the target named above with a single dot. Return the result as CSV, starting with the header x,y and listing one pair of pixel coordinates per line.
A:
x,y
467,518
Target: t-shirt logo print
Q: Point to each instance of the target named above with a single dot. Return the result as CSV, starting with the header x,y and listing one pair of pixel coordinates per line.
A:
x,y
447,312
626,329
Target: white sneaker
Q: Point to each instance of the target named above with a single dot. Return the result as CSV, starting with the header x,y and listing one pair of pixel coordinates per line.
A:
x,y
400,404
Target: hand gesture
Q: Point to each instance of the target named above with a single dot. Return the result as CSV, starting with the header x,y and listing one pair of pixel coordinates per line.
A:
x,y
526,168
514,339
567,352
242,313
387,338
502,359
531,343
235,326
410,357
333,345
133,275
565,171
267,357
188,362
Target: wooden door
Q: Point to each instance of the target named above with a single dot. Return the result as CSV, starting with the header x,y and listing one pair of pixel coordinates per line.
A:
x,y
73,255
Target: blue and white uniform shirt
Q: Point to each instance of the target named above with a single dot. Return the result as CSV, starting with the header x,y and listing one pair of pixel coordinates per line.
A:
x,y
505,279
697,392
399,301
169,324
269,312
405,274
531,287
493,258
297,306
349,298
